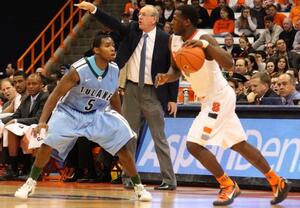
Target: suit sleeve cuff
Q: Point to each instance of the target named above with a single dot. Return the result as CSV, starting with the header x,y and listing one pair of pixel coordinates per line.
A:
x,y
94,11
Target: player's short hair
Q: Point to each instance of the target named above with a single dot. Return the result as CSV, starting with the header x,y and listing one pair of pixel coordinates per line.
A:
x,y
189,12
98,38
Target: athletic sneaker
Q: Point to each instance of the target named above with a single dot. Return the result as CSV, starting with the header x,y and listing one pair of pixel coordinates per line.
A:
x,y
227,195
281,190
26,190
141,193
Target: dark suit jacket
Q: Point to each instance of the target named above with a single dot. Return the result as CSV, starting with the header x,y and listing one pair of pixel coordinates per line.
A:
x,y
23,115
269,98
235,52
161,54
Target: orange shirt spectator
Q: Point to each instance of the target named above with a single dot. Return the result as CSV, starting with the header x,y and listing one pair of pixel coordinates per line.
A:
x,y
278,19
296,2
210,4
223,26
295,13
128,9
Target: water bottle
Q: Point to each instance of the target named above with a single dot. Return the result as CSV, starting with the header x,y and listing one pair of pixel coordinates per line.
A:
x,y
185,96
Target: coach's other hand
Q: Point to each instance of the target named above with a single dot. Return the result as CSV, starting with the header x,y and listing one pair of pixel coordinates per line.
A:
x,y
172,108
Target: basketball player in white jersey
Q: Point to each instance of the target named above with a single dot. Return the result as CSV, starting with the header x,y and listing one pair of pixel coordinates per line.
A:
x,y
80,108
217,123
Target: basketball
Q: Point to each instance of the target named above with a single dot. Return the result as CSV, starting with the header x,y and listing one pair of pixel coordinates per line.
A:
x,y
189,59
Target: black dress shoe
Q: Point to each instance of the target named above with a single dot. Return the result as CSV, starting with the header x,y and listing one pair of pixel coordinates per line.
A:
x,y
118,180
165,186
9,176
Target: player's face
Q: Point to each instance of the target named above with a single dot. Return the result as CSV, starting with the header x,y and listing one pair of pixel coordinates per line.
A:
x,y
107,49
177,23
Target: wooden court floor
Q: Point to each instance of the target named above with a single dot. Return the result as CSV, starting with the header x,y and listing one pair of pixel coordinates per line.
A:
x,y
67,195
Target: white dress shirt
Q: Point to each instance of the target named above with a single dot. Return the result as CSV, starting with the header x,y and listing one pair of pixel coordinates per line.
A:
x,y
133,63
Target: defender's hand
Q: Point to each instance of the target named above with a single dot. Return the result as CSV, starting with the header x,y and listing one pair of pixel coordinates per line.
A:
x,y
37,130
160,79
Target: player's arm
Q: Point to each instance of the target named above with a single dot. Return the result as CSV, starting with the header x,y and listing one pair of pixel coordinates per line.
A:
x,y
68,81
115,102
173,73
212,51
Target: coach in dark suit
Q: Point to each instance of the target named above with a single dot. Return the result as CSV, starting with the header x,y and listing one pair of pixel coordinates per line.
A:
x,y
261,93
28,113
141,99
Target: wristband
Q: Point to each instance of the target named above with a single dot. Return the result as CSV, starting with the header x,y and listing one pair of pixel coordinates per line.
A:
x,y
205,43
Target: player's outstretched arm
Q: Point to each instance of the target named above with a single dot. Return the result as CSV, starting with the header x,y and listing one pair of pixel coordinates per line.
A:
x,y
65,84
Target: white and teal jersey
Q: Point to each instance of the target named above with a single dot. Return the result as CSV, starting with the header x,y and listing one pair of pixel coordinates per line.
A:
x,y
95,88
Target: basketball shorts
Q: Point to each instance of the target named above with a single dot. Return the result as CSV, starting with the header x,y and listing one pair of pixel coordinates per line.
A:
x,y
217,122
106,128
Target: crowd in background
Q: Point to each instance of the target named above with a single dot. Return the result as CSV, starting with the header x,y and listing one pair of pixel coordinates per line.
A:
x,y
263,37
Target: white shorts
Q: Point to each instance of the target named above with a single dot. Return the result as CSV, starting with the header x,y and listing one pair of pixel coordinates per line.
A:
x,y
217,122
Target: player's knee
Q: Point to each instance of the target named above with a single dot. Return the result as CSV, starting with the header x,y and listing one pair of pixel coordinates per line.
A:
x,y
193,148
239,146
46,149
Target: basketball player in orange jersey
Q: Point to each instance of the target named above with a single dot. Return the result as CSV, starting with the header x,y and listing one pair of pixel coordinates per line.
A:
x,y
217,123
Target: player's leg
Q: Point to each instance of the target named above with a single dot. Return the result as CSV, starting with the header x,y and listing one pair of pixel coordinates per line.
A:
x,y
113,133
60,125
280,186
41,160
229,188
128,164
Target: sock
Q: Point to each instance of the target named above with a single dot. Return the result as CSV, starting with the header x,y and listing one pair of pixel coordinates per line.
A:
x,y
225,181
35,172
14,164
136,179
272,177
